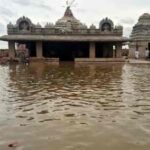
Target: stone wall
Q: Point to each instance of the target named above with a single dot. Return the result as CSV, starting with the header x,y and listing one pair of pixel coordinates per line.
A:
x,y
140,46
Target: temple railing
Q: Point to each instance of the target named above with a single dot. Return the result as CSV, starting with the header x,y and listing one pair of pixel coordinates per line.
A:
x,y
57,31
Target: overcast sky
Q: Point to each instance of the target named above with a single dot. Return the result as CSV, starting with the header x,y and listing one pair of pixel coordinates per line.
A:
x,y
122,12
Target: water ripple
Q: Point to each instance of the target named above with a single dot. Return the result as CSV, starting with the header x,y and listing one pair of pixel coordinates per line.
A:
x,y
90,94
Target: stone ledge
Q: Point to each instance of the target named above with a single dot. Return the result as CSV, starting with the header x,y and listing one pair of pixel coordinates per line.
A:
x,y
98,60
52,59
139,61
35,59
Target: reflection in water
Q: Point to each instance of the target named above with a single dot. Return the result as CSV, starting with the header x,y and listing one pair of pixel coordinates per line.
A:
x,y
78,106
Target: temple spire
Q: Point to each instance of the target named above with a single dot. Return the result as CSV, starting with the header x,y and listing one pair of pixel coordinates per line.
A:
x,y
68,12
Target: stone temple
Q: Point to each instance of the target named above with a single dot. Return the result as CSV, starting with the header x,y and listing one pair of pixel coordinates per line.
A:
x,y
140,36
67,40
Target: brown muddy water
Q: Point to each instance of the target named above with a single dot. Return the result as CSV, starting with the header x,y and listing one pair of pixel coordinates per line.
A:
x,y
75,107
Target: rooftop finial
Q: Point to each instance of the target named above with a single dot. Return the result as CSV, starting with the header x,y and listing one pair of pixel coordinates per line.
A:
x,y
70,3
68,12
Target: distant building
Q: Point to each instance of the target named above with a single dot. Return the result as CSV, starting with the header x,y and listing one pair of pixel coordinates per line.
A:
x,y
140,36
67,40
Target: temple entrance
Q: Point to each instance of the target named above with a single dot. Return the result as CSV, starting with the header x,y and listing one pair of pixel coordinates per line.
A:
x,y
66,51
104,50
99,50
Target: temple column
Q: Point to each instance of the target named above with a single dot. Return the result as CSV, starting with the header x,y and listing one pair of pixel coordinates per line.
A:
x,y
11,46
92,50
132,51
39,49
119,50
114,53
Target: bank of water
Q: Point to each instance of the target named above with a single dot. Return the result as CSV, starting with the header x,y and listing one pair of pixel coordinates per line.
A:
x,y
75,107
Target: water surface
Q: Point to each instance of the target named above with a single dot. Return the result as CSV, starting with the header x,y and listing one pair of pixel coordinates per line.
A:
x,y
75,107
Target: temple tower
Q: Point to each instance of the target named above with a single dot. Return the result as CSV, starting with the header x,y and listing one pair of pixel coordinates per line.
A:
x,y
140,36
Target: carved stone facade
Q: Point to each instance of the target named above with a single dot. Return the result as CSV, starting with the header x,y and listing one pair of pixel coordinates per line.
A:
x,y
68,24
140,36
69,33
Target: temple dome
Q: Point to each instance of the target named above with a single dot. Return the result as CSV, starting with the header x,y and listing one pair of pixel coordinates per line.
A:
x,y
144,19
145,15
106,25
142,28
68,21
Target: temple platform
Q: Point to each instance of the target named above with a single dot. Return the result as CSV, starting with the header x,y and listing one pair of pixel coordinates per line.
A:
x,y
99,60
139,61
79,60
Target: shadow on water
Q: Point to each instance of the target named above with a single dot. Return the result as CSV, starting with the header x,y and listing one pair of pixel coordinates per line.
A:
x,y
79,106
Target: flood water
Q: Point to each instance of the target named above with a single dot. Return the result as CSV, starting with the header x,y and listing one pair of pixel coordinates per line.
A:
x,y
75,107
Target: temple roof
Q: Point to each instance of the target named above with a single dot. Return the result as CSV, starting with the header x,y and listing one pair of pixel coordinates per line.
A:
x,y
77,38
144,16
68,28
144,19
141,31
68,13
68,21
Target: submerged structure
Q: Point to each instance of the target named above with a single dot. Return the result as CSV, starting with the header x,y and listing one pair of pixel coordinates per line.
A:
x,y
140,36
66,40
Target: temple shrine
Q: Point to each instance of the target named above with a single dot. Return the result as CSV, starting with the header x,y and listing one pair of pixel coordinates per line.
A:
x,y
140,36
66,40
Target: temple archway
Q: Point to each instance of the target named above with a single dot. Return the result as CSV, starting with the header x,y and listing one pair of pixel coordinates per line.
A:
x,y
24,26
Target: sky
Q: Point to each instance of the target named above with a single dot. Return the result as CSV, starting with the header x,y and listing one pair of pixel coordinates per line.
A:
x,y
122,12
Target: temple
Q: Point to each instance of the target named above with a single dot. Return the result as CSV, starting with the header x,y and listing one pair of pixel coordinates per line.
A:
x,y
67,40
140,36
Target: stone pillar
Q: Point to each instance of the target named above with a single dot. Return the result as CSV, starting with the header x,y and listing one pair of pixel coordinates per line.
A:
x,y
142,47
132,51
92,50
39,49
11,46
119,50
114,53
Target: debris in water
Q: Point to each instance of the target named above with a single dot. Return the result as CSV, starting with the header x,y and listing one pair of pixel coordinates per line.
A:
x,y
14,144
43,112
